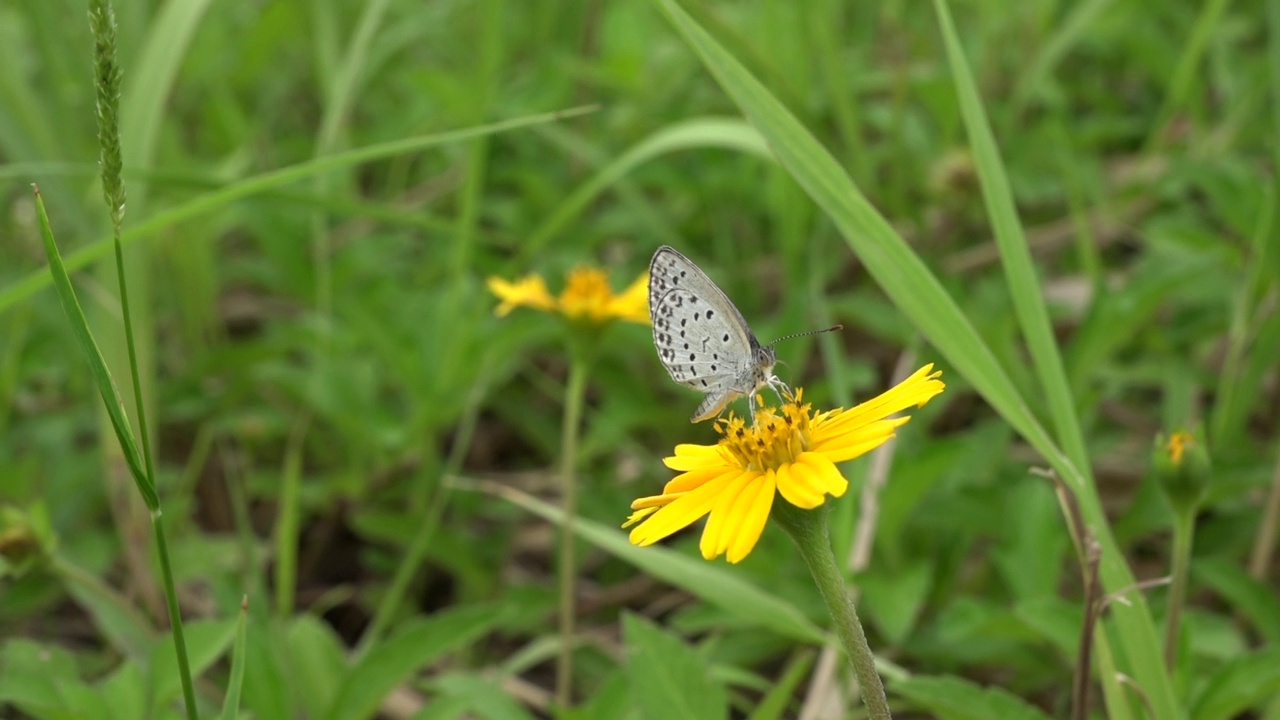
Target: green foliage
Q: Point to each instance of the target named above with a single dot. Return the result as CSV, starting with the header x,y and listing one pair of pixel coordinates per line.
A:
x,y
1070,207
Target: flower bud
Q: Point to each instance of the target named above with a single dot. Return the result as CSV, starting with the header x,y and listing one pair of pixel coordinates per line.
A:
x,y
1181,466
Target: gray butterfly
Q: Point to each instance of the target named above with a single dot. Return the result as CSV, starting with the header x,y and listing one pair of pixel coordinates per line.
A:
x,y
702,339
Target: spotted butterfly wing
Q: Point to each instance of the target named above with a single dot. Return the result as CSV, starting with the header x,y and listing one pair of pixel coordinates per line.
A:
x,y
702,339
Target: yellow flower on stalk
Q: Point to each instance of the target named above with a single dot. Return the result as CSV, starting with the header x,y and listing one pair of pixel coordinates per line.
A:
x,y
790,450
586,296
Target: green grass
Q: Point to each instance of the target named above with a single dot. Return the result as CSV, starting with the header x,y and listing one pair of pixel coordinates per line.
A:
x,y
1071,209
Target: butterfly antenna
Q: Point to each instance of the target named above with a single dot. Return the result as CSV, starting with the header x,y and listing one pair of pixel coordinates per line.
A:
x,y
792,336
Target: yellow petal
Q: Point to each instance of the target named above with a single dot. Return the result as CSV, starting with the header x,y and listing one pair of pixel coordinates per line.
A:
x,y
694,479
529,290
826,473
681,513
712,542
847,446
633,303
638,516
914,391
751,517
693,457
798,485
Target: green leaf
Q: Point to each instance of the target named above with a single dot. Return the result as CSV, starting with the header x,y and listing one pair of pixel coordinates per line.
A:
x,y
920,296
42,681
418,643
481,697
207,640
1253,599
773,706
668,679
1240,685
97,365
729,133
34,282
316,662
893,600
231,702
712,583
951,698
1019,271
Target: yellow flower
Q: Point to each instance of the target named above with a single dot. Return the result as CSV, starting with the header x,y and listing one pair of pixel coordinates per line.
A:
x,y
790,450
586,296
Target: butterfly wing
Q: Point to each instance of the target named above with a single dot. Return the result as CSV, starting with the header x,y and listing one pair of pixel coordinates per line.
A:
x,y
702,339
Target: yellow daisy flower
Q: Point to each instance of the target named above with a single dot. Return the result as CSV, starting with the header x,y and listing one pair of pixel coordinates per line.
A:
x,y
586,296
789,450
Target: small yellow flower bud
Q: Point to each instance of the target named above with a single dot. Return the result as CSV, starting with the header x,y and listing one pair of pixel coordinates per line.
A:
x,y
1181,466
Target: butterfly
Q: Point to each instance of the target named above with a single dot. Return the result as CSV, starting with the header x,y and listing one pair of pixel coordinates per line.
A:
x,y
702,339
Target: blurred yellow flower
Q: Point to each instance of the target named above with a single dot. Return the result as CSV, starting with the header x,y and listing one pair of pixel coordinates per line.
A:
x,y
791,450
586,296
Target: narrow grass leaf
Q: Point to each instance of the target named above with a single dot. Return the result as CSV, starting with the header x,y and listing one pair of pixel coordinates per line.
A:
x,y
231,702
887,257
918,294
417,643
668,679
1019,270
696,134
714,584
774,705
97,365
37,280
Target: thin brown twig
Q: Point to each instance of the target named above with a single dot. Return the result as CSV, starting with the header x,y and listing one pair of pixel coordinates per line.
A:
x,y
1265,542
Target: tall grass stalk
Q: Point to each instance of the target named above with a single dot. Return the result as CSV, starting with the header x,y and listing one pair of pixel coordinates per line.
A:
x,y
107,88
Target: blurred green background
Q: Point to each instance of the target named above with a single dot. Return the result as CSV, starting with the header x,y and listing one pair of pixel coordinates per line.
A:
x,y
322,361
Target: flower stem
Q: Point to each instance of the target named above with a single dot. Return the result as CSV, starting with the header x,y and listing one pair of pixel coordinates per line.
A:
x,y
575,395
808,528
1183,532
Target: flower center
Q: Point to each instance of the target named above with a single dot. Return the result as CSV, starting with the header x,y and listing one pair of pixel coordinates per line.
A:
x,y
1178,443
586,293
775,439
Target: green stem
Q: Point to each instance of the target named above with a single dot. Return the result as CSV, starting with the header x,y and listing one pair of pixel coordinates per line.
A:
x,y
575,395
175,615
808,528
1183,532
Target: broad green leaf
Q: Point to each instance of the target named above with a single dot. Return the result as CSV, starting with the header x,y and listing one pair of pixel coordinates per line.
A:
x,y
207,640
417,643
952,698
1240,685
316,662
1253,599
115,617
668,678
711,582
42,681
482,697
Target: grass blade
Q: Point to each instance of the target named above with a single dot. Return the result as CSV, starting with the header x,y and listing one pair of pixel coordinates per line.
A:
x,y
1019,270
37,280
921,298
97,365
231,703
